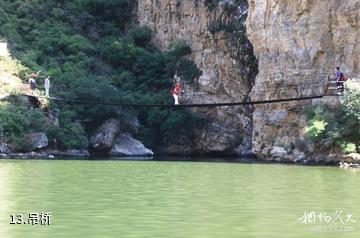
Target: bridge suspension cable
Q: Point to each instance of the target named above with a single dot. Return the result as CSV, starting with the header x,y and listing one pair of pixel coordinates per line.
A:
x,y
224,104
306,89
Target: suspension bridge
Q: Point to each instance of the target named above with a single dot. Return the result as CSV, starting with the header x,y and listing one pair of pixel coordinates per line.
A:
x,y
304,89
224,104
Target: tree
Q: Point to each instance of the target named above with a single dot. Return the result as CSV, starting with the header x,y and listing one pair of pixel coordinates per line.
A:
x,y
340,126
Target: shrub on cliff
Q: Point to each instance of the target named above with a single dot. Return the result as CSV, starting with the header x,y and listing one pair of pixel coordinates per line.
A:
x,y
141,36
352,99
92,53
16,121
69,136
180,49
212,4
337,127
116,11
168,126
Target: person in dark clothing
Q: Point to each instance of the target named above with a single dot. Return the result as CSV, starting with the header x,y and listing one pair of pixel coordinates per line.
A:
x,y
340,79
32,81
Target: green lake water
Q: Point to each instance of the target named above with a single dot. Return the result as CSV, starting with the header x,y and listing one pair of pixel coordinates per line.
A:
x,y
91,198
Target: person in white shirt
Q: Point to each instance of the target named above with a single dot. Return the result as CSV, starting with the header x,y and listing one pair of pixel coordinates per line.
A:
x,y
47,86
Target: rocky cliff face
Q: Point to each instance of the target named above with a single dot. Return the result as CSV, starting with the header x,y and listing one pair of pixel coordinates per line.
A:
x,y
216,35
298,43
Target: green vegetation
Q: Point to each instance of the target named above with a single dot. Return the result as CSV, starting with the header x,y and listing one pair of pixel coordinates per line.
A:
x,y
93,53
337,127
229,6
17,120
212,4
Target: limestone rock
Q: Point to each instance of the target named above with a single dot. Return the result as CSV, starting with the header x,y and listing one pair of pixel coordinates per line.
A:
x,y
225,59
298,157
36,140
218,138
278,152
125,145
298,45
181,145
332,102
345,165
277,118
103,138
352,158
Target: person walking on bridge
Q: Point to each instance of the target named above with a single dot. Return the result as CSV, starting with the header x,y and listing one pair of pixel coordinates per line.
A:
x,y
47,86
176,93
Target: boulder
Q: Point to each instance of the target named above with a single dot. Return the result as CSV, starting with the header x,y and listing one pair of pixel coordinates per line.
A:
x,y
104,136
36,140
345,165
352,158
125,145
298,157
279,152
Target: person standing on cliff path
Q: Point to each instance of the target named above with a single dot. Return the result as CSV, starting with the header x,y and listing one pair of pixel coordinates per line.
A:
x,y
176,93
32,81
340,79
47,86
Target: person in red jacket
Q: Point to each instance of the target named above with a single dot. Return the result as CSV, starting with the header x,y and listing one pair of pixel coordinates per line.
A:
x,y
176,92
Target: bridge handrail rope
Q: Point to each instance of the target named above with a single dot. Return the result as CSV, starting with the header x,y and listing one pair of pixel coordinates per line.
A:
x,y
311,83
180,105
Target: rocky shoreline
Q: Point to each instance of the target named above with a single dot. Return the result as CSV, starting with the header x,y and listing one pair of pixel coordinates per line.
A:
x,y
108,140
54,154
351,161
112,140
46,154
